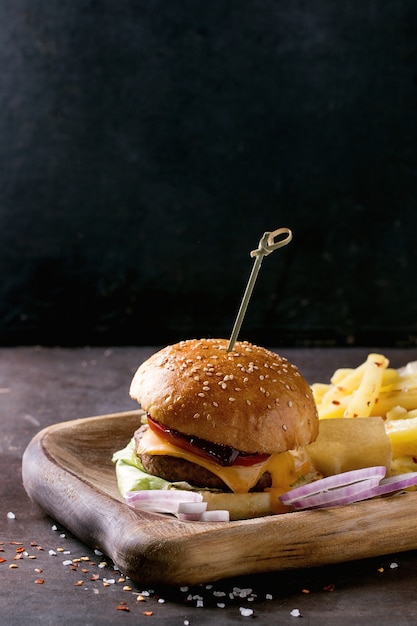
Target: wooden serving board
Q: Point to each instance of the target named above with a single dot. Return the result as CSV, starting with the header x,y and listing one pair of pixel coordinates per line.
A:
x,y
67,470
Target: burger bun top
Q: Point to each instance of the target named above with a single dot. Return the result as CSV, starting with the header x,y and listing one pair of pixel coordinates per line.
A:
x,y
249,398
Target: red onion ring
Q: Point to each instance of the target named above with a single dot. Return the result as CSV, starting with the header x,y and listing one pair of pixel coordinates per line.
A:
x,y
330,483
349,492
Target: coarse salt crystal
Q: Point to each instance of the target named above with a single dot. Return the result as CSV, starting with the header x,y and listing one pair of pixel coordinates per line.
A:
x,y
52,553
221,605
394,565
295,613
245,612
11,515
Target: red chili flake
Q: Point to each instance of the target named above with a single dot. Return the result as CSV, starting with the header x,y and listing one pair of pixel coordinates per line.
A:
x,y
84,570
38,570
16,543
39,581
147,613
33,544
336,402
330,587
122,606
2,560
95,577
73,567
17,557
18,550
305,590
79,583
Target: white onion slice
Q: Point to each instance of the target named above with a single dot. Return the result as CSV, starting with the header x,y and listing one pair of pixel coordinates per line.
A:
x,y
189,517
190,508
372,475
186,505
191,511
217,515
161,500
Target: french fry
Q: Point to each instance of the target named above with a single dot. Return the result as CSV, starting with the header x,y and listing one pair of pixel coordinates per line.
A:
x,y
375,390
340,374
397,382
319,389
406,398
364,398
347,383
390,376
336,408
403,436
398,412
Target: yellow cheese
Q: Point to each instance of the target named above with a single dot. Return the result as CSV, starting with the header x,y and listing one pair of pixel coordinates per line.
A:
x,y
239,478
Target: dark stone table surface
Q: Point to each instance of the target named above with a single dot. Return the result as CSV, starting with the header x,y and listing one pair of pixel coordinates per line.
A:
x,y
50,577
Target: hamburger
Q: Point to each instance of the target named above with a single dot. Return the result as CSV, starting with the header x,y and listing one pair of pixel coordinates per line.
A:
x,y
231,424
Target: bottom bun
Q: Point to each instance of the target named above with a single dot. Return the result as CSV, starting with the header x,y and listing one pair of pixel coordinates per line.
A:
x,y
244,505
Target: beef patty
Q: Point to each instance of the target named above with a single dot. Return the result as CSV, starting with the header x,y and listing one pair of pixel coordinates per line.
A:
x,y
174,469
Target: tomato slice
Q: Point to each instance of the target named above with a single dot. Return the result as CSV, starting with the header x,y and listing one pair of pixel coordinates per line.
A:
x,y
218,453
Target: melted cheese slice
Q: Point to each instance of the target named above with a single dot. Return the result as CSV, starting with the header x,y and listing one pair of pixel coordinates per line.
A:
x,y
284,468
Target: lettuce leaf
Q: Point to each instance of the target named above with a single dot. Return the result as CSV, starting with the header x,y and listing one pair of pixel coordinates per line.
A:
x,y
130,473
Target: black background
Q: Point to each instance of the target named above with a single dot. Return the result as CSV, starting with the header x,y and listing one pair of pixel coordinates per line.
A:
x,y
145,146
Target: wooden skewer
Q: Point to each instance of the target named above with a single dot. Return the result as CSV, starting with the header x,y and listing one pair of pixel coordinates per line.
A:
x,y
267,244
